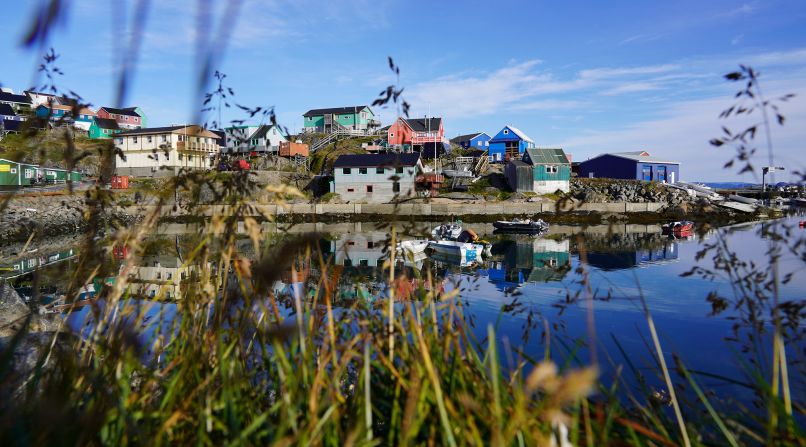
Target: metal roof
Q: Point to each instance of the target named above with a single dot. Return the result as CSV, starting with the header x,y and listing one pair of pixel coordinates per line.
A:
x,y
424,124
375,160
463,138
5,109
547,156
11,97
126,111
640,157
335,111
106,123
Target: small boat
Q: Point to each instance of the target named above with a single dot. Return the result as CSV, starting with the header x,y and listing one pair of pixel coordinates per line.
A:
x,y
449,231
412,247
678,228
465,251
521,226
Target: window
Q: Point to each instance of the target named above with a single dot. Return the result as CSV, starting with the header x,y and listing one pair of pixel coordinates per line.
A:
x,y
363,263
350,190
369,189
181,138
480,142
396,187
551,169
362,170
346,171
506,131
399,170
180,157
156,157
379,170
392,134
164,138
167,156
190,158
370,244
134,139
149,139
348,262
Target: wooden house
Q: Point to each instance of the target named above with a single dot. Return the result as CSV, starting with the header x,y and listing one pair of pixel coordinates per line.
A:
x,y
542,171
20,103
477,140
103,128
267,139
353,120
163,151
508,144
127,118
415,133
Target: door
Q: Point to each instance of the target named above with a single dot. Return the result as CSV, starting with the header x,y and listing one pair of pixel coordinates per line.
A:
x,y
661,177
646,173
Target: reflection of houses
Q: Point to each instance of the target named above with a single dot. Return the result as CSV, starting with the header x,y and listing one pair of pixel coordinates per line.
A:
x,y
28,265
668,251
528,260
161,277
359,249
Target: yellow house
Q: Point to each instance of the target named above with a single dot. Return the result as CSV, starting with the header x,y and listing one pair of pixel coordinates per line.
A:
x,y
163,151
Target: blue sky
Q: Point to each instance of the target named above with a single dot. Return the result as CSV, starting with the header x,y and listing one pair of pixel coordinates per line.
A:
x,y
590,77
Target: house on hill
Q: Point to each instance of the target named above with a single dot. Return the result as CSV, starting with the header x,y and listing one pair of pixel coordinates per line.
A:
x,y
64,114
542,171
508,144
102,128
127,118
163,151
636,165
354,120
415,133
8,113
20,103
376,178
267,139
478,140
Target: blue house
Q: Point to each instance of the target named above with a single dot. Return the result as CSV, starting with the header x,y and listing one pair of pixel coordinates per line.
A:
x,y
477,140
638,165
508,144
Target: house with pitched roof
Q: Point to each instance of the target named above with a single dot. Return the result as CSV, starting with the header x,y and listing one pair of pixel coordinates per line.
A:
x,y
8,113
476,140
20,103
267,139
163,151
415,133
542,171
102,128
354,120
509,143
376,178
64,114
127,118
635,165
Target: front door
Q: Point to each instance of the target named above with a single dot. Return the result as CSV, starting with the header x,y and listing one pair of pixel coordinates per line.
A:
x,y
646,173
661,173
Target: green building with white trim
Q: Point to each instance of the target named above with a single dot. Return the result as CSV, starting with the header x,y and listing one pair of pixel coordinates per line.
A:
x,y
353,120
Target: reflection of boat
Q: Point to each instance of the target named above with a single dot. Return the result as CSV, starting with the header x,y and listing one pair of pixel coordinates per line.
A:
x,y
679,228
465,251
412,247
521,226
447,231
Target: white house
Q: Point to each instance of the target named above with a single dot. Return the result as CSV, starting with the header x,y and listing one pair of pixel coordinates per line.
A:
x,y
163,151
267,138
237,138
377,178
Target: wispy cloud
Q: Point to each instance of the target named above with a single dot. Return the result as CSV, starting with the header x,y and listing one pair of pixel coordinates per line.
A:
x,y
637,87
641,38
741,10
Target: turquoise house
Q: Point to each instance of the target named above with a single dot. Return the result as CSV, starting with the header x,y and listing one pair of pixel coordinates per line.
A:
x,y
359,120
541,171
103,128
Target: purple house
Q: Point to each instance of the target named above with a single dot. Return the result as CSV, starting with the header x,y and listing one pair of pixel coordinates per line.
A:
x,y
638,165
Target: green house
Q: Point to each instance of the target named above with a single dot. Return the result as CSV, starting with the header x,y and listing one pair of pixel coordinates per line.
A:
x,y
542,171
103,128
15,174
357,120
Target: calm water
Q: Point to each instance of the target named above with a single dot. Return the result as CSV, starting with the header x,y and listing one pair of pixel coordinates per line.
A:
x,y
529,284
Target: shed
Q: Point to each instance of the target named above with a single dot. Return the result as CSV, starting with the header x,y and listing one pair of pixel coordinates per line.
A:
x,y
542,171
15,174
636,165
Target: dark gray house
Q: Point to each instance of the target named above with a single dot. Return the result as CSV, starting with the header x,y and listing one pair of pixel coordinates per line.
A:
x,y
638,165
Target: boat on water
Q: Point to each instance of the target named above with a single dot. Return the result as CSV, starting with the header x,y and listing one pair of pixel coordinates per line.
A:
x,y
465,251
449,231
521,226
678,228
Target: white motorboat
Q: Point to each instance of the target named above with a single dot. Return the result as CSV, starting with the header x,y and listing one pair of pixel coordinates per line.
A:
x,y
447,231
412,247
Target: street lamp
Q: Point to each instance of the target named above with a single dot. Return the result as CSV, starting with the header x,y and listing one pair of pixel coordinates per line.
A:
x,y
767,170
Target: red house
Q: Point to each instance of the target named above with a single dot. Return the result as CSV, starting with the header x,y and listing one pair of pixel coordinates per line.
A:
x,y
127,118
416,132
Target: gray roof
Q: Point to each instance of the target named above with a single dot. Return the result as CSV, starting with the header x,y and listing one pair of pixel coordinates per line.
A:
x,y
642,156
547,156
335,111
106,123
6,109
11,97
424,124
376,160
125,111
263,130
463,138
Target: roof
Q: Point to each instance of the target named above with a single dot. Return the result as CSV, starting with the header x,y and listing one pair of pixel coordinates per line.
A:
x,y
106,123
547,156
641,156
263,130
11,97
519,133
334,110
463,138
221,135
127,111
6,109
83,111
375,160
423,124
192,129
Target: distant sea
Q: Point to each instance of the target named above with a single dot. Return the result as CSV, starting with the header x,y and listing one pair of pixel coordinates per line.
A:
x,y
731,185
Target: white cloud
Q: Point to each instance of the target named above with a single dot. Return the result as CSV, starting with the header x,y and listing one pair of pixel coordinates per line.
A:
x,y
742,10
620,72
637,87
